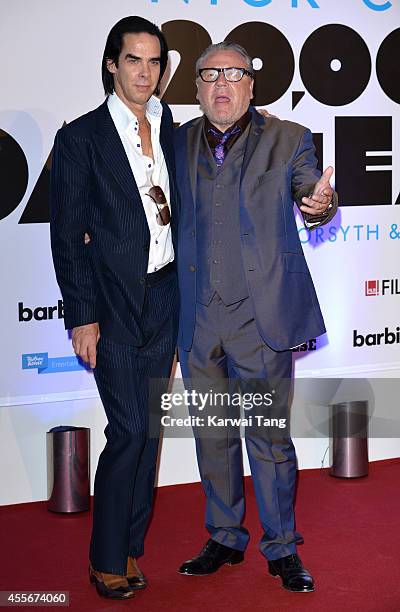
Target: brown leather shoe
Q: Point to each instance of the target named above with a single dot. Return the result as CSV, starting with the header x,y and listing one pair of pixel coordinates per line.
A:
x,y
111,586
135,576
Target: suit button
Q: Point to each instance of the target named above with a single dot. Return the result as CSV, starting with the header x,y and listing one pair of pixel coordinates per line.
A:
x,y
192,233
146,247
192,268
218,204
142,281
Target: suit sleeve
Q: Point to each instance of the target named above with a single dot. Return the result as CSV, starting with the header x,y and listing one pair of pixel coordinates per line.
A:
x,y
304,176
69,201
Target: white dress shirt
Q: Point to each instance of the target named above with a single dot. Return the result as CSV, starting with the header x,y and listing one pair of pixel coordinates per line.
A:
x,y
146,172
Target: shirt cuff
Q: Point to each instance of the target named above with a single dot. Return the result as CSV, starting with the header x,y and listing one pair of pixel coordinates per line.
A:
x,y
311,221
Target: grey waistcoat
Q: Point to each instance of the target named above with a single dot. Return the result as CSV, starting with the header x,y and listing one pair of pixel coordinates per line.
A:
x,y
219,259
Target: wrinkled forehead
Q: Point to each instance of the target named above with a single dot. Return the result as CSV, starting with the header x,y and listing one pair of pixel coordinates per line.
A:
x,y
223,59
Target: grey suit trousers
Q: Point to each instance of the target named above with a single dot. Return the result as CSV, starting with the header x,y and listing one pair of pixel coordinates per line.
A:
x,y
229,354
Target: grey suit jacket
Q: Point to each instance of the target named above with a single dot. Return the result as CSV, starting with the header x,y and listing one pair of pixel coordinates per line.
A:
x,y
279,167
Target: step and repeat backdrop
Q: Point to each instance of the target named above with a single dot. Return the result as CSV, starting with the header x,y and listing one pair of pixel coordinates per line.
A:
x,y
332,66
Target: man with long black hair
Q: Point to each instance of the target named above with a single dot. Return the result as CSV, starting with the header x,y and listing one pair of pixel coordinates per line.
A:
x,y
113,180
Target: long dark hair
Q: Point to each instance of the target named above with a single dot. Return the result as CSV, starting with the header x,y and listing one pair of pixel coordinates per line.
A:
x,y
112,51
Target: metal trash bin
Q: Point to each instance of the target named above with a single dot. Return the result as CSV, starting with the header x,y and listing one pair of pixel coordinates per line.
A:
x,y
68,469
349,439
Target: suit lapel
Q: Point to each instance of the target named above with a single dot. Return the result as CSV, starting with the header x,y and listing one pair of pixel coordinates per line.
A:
x,y
167,146
192,152
113,152
257,127
167,149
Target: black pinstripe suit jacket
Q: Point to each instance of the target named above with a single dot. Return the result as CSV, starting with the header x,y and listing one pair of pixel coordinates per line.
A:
x,y
93,190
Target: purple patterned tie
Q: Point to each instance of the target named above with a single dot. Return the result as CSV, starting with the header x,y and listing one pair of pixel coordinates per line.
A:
x,y
220,149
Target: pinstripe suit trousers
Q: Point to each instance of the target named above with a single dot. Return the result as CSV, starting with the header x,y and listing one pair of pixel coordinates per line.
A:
x,y
124,482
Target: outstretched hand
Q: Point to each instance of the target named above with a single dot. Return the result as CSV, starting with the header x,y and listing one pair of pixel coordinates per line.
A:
x,y
319,200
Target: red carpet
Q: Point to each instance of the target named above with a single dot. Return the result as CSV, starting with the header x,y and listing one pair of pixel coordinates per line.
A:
x,y
351,530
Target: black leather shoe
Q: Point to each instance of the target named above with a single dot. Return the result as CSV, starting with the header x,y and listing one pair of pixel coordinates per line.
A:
x,y
210,559
294,576
136,578
112,590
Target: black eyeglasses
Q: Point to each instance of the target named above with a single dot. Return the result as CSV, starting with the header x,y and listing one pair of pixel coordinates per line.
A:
x,y
232,74
163,215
